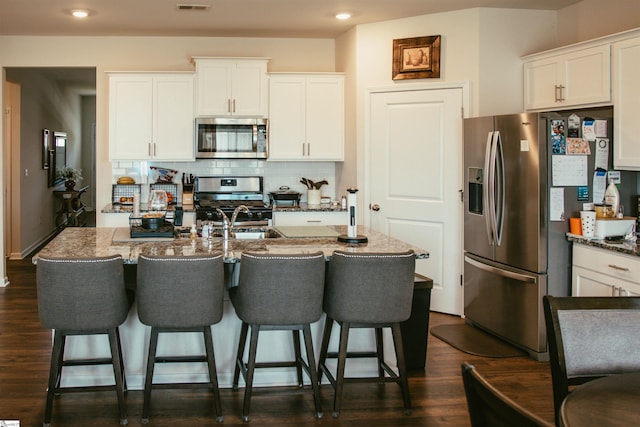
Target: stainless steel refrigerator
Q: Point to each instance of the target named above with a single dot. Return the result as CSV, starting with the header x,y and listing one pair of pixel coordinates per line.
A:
x,y
514,254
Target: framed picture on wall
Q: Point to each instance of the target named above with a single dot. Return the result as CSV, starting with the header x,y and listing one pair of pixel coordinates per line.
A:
x,y
416,58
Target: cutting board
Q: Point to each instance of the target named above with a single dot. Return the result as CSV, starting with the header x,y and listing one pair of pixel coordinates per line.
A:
x,y
123,235
293,231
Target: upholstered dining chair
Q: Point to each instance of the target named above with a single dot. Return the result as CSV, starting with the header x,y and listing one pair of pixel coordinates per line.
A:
x,y
278,293
367,290
178,294
82,297
488,407
590,337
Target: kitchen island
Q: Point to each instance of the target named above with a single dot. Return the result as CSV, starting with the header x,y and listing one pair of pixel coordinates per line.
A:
x,y
92,242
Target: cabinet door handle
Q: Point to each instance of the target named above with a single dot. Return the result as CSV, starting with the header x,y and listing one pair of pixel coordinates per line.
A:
x,y
228,105
149,149
314,220
308,148
559,90
615,267
234,106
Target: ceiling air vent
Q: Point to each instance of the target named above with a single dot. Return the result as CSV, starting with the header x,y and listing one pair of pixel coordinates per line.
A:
x,y
193,7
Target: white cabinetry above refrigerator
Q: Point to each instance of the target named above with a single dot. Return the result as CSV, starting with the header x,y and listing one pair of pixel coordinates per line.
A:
x,y
151,116
568,78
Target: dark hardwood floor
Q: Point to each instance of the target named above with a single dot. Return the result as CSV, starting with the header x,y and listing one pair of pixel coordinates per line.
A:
x,y
437,392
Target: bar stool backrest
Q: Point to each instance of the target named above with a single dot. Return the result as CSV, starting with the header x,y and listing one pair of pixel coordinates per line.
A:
x,y
370,287
81,294
180,291
280,289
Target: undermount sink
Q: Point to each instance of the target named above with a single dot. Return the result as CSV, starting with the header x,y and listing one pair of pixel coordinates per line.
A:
x,y
254,233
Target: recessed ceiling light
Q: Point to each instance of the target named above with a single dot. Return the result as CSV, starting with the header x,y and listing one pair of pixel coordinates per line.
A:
x,y
343,16
80,13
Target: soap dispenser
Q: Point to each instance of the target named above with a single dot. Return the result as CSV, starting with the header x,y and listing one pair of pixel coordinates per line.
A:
x,y
612,197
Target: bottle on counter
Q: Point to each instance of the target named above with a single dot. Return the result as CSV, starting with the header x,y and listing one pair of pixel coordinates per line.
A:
x,y
193,233
612,198
343,202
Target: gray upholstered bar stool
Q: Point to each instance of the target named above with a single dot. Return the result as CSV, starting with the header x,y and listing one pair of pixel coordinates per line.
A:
x,y
367,290
278,292
82,297
180,294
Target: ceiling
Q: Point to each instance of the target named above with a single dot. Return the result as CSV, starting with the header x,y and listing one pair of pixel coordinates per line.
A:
x,y
225,18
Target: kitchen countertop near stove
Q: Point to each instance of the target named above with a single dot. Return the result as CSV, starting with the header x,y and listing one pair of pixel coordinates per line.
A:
x,y
278,208
327,207
143,208
79,242
626,247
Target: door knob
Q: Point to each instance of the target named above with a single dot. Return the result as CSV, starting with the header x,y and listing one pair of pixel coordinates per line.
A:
x,y
375,207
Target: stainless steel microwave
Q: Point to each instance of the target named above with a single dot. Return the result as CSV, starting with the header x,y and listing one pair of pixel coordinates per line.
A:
x,y
231,138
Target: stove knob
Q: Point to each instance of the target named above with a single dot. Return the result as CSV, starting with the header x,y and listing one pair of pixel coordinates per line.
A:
x,y
259,215
209,214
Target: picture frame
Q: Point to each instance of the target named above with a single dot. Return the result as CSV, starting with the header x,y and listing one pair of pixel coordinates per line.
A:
x,y
416,58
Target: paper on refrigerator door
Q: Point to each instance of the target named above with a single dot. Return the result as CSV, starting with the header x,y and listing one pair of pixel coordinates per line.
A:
x,y
556,204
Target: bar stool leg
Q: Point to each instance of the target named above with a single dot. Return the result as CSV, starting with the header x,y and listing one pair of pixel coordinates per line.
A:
x,y
298,356
124,377
213,374
253,348
342,359
380,352
54,374
402,367
153,344
324,347
118,372
306,330
241,344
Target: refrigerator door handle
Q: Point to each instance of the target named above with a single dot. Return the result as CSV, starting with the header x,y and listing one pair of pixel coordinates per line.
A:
x,y
487,190
505,273
499,182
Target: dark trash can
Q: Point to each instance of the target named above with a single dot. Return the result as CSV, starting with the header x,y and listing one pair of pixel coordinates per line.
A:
x,y
415,329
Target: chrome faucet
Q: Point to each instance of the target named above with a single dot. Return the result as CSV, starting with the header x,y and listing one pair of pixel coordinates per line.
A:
x,y
227,224
237,210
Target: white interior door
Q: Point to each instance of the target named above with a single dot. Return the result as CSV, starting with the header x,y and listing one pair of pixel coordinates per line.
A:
x,y
414,177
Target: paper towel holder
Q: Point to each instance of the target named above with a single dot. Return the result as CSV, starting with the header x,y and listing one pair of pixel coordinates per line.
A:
x,y
352,236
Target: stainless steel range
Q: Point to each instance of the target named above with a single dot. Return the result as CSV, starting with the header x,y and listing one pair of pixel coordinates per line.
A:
x,y
213,194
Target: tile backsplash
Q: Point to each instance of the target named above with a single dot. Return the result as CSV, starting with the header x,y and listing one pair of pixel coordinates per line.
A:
x,y
276,174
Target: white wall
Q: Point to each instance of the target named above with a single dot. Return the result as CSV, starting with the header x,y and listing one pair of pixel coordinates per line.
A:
x,y
590,19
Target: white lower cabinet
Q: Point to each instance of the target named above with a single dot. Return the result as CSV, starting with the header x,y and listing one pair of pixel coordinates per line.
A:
x,y
310,218
601,272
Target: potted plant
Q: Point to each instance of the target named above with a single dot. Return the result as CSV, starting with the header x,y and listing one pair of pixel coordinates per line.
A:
x,y
70,176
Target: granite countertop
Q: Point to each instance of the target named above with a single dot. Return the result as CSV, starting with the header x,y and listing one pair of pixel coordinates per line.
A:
x,y
626,247
78,242
143,208
303,207
277,208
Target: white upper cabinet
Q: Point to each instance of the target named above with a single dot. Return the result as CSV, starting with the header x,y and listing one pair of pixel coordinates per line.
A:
x,y
306,116
626,102
569,78
231,86
151,116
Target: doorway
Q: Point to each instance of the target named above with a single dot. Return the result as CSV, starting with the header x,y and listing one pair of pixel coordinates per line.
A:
x,y
60,99
414,180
